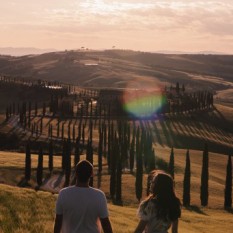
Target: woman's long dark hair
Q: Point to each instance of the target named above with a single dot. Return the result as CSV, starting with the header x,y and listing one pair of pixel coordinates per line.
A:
x,y
164,197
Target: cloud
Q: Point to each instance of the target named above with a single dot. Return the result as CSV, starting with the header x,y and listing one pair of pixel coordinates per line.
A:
x,y
124,20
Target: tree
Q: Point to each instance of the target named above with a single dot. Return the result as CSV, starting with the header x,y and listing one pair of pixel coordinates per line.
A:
x,y
39,174
139,171
118,177
186,183
41,125
131,160
77,151
51,156
228,185
73,132
7,113
44,109
151,165
36,108
89,156
29,114
171,163
177,87
100,151
113,164
205,177
62,131
63,162
58,128
183,88
67,162
28,162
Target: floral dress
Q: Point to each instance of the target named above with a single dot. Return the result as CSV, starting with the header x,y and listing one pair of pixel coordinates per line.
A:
x,y
147,212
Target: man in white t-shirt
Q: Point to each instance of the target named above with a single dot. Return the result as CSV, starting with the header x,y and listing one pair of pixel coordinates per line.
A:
x,y
80,208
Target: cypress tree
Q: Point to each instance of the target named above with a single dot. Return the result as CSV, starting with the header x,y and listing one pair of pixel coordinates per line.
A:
x,y
44,108
151,165
64,155
79,129
51,156
39,174
58,129
62,131
104,128
10,110
139,171
28,162
186,183
77,151
113,168
89,156
89,152
90,130
110,144
51,131
228,185
100,151
69,129
131,156
13,108
36,108
67,162
171,163
118,178
29,114
205,177
73,134
83,134
7,113
41,125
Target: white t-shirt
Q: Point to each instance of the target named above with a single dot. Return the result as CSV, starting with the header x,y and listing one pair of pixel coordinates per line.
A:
x,y
81,209
147,211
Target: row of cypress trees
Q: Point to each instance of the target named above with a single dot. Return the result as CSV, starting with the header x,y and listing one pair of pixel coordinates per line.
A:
x,y
204,188
116,168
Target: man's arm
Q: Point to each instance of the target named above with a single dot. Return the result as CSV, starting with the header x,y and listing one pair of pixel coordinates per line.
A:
x,y
58,223
106,225
140,227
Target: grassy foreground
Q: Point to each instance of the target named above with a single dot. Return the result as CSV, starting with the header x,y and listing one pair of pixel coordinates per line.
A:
x,y
25,210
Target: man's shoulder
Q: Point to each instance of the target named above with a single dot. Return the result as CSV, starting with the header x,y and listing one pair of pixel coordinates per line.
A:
x,y
66,189
97,191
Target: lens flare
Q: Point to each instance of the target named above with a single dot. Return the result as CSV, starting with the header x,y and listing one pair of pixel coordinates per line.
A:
x,y
143,103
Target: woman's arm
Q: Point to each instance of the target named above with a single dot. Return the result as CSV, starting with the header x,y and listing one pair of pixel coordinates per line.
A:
x,y
141,226
175,226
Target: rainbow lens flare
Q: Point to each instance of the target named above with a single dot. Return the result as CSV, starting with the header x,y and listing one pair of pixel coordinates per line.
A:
x,y
143,103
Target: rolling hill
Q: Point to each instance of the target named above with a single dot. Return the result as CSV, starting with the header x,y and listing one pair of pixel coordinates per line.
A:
x,y
118,68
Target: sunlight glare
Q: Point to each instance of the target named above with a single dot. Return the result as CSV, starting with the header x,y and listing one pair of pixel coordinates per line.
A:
x,y
144,102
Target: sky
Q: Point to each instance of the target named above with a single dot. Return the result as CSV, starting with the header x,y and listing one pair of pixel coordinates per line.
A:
x,y
141,25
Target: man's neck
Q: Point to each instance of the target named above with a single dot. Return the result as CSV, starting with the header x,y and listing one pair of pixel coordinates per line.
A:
x,y
82,185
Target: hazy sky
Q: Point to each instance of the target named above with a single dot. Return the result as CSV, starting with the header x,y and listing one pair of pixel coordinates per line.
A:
x,y
180,25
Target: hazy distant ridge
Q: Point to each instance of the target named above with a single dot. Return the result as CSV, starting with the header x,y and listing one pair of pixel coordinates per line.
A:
x,y
23,51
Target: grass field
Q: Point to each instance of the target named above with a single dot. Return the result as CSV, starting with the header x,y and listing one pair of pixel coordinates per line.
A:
x,y
12,173
27,211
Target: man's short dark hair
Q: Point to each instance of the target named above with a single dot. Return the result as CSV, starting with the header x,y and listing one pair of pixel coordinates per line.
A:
x,y
84,170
